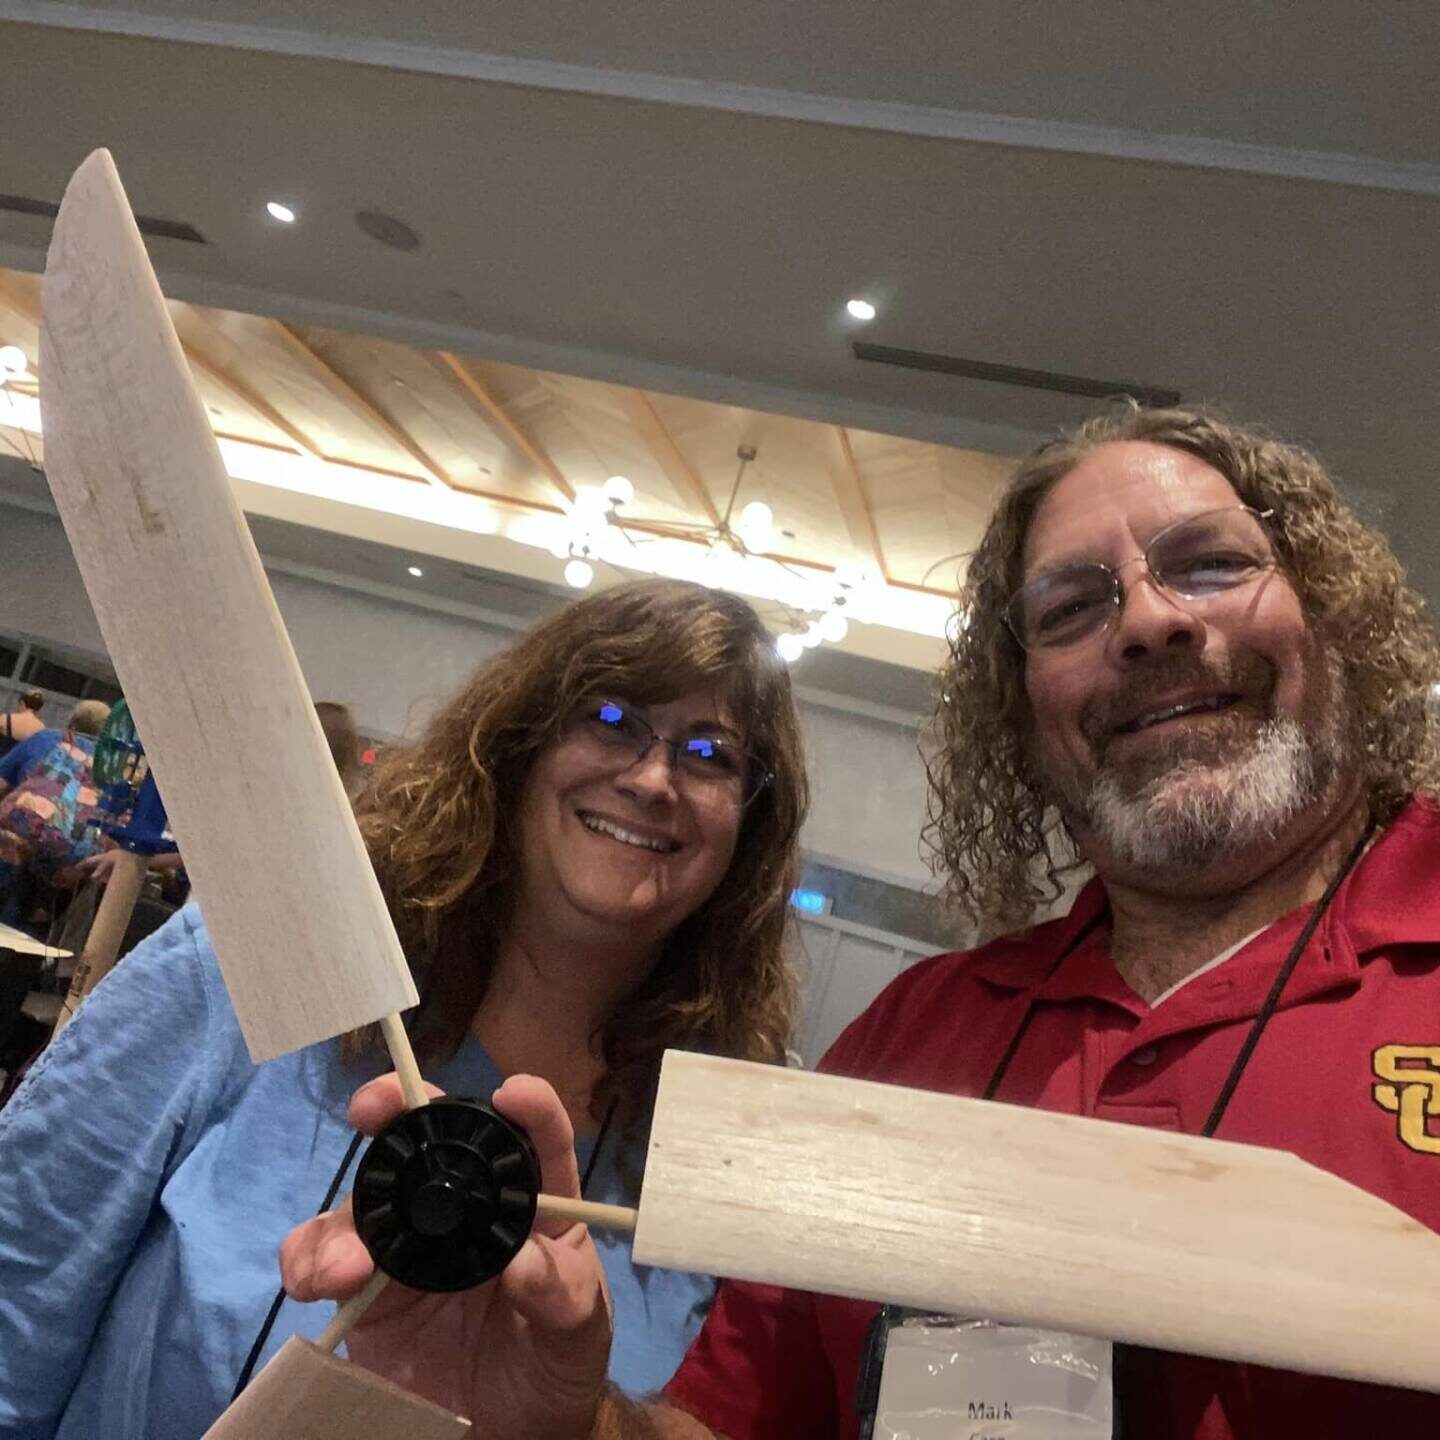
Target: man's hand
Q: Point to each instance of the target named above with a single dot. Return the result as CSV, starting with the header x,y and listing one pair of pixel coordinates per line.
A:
x,y
525,1354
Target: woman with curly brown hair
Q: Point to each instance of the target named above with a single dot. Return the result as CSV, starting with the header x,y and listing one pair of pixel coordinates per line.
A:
x,y
588,855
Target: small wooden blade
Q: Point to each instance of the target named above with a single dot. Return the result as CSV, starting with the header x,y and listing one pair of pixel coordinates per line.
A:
x,y
978,1209
303,936
305,1394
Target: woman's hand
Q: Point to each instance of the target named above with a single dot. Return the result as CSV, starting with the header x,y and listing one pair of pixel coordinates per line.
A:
x,y
525,1354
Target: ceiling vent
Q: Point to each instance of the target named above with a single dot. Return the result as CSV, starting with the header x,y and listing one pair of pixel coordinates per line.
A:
x,y
157,229
1146,395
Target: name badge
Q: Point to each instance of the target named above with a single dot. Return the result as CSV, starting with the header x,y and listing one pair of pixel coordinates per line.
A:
x,y
932,1377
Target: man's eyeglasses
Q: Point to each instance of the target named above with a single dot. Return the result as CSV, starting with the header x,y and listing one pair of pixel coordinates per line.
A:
x,y
711,760
1198,557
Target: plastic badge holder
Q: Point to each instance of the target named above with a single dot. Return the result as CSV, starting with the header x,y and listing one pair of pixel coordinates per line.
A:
x,y
972,1380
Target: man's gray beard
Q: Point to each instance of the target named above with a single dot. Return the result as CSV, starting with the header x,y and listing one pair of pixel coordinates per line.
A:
x,y
1197,811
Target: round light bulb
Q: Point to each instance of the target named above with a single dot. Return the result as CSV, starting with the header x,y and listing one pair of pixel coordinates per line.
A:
x,y
619,489
860,309
12,360
812,637
757,515
789,647
416,571
833,627
579,573
283,213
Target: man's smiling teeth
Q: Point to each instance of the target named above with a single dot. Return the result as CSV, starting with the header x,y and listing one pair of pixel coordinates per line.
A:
x,y
1171,712
627,837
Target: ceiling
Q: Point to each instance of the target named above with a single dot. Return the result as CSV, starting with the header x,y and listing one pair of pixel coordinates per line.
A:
x,y
1241,204
361,437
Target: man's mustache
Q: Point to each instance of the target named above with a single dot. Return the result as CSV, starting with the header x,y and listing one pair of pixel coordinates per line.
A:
x,y
1248,676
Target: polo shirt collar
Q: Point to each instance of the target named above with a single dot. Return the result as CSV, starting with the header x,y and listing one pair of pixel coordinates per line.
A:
x,y
1065,959
1391,899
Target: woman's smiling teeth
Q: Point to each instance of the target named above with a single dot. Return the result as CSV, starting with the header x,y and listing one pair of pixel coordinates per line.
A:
x,y
601,826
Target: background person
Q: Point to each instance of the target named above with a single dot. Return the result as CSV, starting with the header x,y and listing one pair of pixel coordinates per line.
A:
x,y
20,724
49,812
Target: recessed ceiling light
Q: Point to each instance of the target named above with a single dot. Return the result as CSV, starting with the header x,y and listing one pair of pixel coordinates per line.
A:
x,y
416,571
280,212
860,309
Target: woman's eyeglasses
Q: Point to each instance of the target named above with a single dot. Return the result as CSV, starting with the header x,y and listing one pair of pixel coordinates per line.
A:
x,y
1198,557
710,760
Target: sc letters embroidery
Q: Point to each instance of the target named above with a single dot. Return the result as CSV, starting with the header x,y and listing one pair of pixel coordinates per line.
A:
x,y
1409,1089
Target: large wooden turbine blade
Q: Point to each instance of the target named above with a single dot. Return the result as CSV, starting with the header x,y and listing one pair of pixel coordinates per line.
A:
x,y
979,1209
303,936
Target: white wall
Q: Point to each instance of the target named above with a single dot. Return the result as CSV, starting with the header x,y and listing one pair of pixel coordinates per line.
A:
x,y
389,658
867,794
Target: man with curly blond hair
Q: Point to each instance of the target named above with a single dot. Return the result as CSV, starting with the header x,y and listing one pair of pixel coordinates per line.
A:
x,y
1187,667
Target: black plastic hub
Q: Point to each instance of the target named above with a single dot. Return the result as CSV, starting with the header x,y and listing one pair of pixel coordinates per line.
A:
x,y
445,1197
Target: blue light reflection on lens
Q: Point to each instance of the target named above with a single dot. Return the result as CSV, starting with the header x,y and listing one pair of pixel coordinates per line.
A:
x,y
811,902
611,713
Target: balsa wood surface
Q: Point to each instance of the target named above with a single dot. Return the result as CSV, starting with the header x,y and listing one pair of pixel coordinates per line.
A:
x,y
305,1394
107,930
23,944
987,1210
304,940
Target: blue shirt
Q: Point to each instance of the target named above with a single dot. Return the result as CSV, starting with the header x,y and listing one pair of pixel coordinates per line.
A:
x,y
16,765
149,1171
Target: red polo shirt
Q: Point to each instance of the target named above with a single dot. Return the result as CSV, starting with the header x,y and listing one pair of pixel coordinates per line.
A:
x,y
780,1365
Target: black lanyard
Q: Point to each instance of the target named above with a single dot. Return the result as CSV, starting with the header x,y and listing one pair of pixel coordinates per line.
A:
x,y
1262,1019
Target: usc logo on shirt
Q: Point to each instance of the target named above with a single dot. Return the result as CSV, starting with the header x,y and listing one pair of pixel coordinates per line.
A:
x,y
1410,1090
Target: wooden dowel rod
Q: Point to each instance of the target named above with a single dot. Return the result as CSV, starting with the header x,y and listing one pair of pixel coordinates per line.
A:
x,y
549,1207
351,1311
586,1212
403,1058
107,930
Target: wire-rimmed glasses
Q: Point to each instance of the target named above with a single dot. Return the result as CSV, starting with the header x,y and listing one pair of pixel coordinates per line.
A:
x,y
714,762
1198,557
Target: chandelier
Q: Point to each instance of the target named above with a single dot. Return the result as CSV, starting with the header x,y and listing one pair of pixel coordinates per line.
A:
x,y
818,605
19,411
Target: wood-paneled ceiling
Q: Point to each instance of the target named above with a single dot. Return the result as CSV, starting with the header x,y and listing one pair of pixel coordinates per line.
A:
x,y
527,440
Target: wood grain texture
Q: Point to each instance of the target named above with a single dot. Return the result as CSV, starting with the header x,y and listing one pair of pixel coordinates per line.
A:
x,y
996,1211
23,944
303,936
305,1394
107,930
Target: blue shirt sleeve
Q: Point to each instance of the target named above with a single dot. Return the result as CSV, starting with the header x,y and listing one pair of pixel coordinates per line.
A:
x,y
15,766
85,1145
